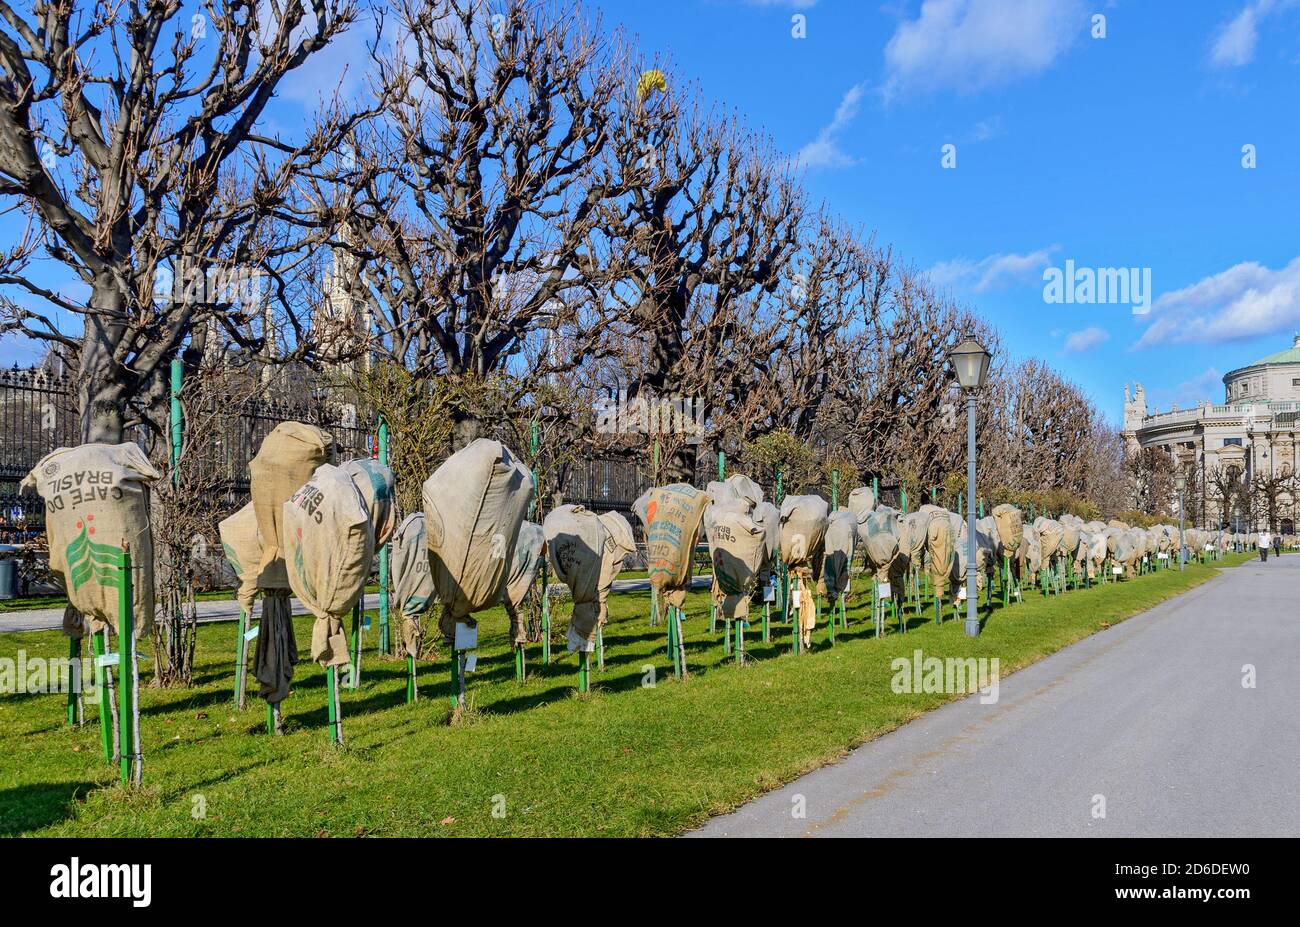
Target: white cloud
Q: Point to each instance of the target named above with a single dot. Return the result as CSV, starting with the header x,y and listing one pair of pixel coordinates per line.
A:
x,y
1234,44
968,45
1085,340
1243,301
990,272
824,150
1189,393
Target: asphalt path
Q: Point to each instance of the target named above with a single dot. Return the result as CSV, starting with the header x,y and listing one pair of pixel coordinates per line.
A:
x,y
1148,723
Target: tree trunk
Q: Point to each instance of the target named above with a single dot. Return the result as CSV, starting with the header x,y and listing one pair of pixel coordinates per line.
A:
x,y
99,389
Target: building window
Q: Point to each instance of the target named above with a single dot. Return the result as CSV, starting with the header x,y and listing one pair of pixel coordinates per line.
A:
x,y
1233,442
1295,381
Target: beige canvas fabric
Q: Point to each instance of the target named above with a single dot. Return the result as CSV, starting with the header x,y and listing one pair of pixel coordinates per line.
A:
x,y
329,545
523,572
768,517
841,537
412,584
673,517
97,499
738,546
880,538
289,455
473,506
575,545
803,531
376,483
862,502
940,547
242,543
1011,524
1050,534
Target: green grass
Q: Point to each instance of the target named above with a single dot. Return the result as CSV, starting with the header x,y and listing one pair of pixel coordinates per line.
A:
x,y
624,760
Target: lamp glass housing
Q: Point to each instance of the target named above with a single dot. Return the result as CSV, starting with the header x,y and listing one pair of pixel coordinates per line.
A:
x,y
970,362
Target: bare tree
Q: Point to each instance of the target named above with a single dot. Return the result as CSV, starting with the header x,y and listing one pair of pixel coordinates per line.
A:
x,y
135,145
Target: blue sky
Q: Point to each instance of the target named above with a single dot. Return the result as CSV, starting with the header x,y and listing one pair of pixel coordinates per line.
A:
x,y
1122,151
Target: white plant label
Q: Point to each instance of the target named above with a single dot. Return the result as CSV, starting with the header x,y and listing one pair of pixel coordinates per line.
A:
x,y
885,591
252,632
466,636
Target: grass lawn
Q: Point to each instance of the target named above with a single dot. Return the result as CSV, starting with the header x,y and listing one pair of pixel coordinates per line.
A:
x,y
626,760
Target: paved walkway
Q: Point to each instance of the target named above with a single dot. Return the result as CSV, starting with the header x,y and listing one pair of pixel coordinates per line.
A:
x,y
48,619
1150,714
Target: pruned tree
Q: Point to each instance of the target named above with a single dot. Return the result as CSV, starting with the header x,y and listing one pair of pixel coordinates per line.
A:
x,y
474,235
136,145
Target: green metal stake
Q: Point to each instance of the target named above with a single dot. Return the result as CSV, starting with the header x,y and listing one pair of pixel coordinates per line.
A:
x,y
831,626
546,620
126,688
722,466
519,662
98,642
74,678
875,488
410,679
835,489
385,635
903,495
241,661
331,693
584,671
354,675
270,718
177,372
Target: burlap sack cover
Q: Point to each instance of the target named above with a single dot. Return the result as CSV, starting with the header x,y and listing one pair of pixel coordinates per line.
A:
x,y
912,535
575,544
1050,535
412,584
803,532
768,517
329,544
376,484
97,499
1069,536
879,537
940,547
673,517
1011,522
841,533
473,506
738,547
862,502
523,572
1031,552
242,543
289,455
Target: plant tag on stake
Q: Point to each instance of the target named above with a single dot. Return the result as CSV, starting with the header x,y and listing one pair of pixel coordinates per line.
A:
x,y
769,591
1117,570
961,594
252,632
108,659
885,591
467,639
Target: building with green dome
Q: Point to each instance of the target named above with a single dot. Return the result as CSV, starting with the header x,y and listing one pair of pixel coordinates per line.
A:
x,y
1248,440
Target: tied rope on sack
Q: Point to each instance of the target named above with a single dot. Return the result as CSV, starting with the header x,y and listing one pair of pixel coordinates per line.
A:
x,y
474,505
287,458
803,535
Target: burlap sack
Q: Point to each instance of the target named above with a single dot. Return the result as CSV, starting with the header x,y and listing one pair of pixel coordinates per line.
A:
x,y
1069,536
768,517
912,535
862,502
289,455
940,547
1031,552
879,535
473,506
412,584
841,533
673,517
575,545
1011,522
740,487
329,545
738,546
376,484
97,499
523,572
803,531
1050,535
242,543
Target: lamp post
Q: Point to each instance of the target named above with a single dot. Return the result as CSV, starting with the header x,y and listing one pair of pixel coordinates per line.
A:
x,y
1180,483
970,362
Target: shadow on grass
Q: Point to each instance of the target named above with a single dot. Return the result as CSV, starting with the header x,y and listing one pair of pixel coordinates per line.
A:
x,y
31,807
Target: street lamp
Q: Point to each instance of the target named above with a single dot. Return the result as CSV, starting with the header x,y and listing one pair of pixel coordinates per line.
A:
x,y
1180,483
970,362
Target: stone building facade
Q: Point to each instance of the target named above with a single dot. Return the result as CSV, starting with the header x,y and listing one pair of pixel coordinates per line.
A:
x,y
1252,432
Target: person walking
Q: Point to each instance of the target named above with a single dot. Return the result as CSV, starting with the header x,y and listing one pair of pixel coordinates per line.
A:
x,y
1265,542
1277,544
